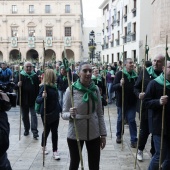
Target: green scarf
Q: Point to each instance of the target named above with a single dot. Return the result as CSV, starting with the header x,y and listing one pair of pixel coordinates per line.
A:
x,y
160,80
30,76
57,72
133,75
64,78
151,72
111,72
88,92
98,78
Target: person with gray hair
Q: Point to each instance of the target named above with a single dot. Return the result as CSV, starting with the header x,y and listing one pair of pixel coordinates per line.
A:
x,y
29,84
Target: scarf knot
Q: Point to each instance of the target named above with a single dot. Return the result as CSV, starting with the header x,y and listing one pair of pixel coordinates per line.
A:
x,y
88,92
30,76
133,75
160,80
151,72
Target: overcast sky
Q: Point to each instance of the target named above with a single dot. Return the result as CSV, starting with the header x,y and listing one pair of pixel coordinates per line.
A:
x,y
91,11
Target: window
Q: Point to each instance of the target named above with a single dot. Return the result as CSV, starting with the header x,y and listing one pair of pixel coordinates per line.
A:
x,y
107,58
125,55
68,31
112,58
49,32
14,31
47,9
134,3
14,9
118,58
31,8
31,31
67,8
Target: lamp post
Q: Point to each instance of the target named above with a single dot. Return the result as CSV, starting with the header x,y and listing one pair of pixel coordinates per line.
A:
x,y
92,45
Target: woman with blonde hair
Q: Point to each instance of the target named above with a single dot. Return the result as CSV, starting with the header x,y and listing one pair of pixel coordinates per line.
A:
x,y
53,109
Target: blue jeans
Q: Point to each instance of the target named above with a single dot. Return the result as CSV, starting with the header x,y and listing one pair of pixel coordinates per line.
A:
x,y
61,96
26,120
110,93
154,163
130,114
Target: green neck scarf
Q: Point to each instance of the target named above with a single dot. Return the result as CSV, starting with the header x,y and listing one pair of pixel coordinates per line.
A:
x,y
30,76
133,75
160,80
64,78
97,79
111,72
88,92
151,72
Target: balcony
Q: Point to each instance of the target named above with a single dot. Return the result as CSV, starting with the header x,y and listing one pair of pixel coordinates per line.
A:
x,y
133,35
112,43
134,12
124,39
117,42
125,17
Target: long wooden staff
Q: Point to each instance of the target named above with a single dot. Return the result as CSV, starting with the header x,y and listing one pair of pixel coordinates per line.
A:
x,y
141,101
65,62
105,72
163,110
123,90
44,107
20,101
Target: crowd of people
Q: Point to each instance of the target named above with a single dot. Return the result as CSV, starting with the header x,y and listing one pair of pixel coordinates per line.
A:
x,y
97,86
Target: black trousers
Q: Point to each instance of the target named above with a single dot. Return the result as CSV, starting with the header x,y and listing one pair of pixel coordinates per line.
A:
x,y
53,127
144,133
93,150
4,162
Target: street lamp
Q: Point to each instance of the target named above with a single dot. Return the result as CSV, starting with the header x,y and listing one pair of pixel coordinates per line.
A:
x,y
92,45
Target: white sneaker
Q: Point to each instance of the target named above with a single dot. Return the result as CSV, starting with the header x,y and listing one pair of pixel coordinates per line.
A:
x,y
140,155
46,151
56,155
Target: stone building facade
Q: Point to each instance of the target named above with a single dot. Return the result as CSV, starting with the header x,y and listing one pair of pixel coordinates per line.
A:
x,y
160,26
25,25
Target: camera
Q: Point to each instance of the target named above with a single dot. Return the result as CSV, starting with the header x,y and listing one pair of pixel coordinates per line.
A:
x,y
8,88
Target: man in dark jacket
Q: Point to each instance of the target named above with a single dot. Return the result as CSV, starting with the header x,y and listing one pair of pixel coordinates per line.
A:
x,y
4,132
129,100
155,100
150,73
29,90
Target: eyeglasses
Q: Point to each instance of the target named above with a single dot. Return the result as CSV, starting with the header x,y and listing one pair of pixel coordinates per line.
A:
x,y
87,70
28,66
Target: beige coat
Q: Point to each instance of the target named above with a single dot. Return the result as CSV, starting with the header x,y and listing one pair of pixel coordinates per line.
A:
x,y
95,120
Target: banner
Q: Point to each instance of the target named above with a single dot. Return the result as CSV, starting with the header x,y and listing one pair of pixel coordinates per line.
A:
x,y
49,42
67,41
14,42
31,42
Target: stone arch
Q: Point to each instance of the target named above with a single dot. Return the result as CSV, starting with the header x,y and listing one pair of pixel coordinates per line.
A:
x,y
1,56
70,54
67,23
14,55
32,55
50,55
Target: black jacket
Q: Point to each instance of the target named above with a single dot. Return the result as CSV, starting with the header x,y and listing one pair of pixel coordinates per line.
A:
x,y
138,89
151,101
62,84
129,96
52,102
29,91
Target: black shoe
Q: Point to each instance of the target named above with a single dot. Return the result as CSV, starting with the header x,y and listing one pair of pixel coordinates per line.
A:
x,y
133,144
118,140
26,133
35,136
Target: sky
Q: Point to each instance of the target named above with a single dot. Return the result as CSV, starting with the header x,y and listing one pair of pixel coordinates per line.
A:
x,y
91,11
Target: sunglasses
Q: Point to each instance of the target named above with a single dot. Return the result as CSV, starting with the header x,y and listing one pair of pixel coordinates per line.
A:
x,y
87,70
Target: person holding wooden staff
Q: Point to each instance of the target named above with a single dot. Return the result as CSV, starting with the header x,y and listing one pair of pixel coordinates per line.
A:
x,y
150,73
155,100
53,110
89,117
29,90
129,100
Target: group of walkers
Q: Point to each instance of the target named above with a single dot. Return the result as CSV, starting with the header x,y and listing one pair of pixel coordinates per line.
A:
x,y
82,104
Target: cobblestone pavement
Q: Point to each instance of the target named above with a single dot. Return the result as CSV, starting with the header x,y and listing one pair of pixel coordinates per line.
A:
x,y
26,154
